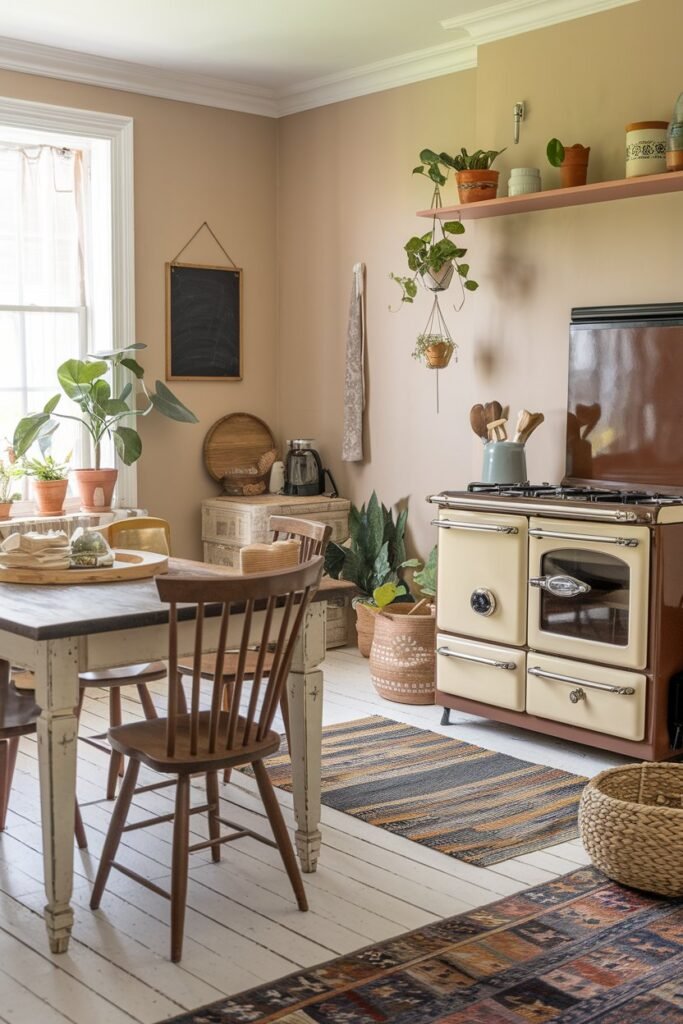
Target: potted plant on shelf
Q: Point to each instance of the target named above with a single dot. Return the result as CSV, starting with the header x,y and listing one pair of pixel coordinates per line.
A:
x,y
434,262
572,161
50,481
10,472
473,175
84,382
373,559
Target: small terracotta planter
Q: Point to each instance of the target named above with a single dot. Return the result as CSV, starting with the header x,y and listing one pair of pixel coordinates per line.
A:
x,y
49,496
574,167
474,186
96,488
438,356
5,509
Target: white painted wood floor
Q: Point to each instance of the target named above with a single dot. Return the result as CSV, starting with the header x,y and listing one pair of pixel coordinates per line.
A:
x,y
242,925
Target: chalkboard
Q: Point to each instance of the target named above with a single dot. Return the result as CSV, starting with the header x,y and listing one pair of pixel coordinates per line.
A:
x,y
203,322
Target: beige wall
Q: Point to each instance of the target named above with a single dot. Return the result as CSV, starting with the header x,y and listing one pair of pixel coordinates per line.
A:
x,y
192,163
346,194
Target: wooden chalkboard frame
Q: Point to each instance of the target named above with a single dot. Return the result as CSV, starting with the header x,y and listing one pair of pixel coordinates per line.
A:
x,y
170,374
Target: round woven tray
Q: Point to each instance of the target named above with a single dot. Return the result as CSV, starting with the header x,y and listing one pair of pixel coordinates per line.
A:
x,y
631,823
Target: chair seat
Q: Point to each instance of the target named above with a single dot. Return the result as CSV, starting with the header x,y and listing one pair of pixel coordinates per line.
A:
x,y
145,672
18,714
208,665
146,742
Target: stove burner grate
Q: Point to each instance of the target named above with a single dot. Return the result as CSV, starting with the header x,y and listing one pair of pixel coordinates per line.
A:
x,y
562,492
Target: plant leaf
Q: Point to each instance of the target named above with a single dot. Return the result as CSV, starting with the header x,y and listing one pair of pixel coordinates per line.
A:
x,y
28,430
128,444
76,376
471,286
52,404
165,402
454,227
555,152
375,527
134,367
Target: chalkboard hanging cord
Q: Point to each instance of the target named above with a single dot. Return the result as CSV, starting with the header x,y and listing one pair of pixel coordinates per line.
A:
x,y
189,242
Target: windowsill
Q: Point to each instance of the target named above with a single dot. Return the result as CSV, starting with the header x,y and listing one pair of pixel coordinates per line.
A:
x,y
24,512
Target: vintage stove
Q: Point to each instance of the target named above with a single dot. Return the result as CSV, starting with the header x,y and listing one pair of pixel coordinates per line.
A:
x,y
560,607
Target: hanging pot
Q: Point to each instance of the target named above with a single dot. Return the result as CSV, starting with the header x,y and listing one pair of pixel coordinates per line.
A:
x,y
439,280
438,356
49,496
96,488
475,186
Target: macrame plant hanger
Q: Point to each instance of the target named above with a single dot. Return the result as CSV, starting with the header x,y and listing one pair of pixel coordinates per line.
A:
x,y
437,325
189,242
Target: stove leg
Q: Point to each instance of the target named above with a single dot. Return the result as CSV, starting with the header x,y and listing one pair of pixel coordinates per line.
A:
x,y
446,717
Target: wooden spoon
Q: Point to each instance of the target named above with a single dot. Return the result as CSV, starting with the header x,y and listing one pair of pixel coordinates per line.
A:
x,y
523,417
478,421
497,431
494,411
588,416
535,420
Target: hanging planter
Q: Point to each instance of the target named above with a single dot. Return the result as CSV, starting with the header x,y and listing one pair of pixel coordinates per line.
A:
x,y
439,280
437,354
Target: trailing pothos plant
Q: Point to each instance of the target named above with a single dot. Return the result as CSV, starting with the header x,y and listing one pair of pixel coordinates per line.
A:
x,y
375,555
101,412
427,256
437,166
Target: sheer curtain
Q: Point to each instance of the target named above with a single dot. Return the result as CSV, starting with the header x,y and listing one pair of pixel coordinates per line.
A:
x,y
43,287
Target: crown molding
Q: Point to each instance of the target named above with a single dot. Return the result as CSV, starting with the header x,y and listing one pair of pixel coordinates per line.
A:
x,y
512,17
107,73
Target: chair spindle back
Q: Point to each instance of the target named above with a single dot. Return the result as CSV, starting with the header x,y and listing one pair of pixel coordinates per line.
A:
x,y
312,536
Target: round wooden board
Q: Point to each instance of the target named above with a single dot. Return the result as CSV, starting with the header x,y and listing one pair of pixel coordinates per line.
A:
x,y
235,442
128,565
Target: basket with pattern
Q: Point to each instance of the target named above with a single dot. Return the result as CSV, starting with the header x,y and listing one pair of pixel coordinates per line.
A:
x,y
631,823
403,656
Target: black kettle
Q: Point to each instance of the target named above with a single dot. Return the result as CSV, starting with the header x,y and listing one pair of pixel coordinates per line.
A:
x,y
304,472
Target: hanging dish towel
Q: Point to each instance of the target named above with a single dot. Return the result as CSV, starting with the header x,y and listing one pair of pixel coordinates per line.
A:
x,y
354,382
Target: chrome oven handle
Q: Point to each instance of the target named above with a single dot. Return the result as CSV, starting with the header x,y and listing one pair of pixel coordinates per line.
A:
x,y
446,652
623,542
621,691
450,524
560,586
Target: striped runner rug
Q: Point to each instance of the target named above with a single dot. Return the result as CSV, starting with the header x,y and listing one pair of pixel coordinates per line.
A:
x,y
472,804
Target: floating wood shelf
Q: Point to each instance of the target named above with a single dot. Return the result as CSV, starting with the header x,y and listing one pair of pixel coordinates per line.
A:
x,y
557,198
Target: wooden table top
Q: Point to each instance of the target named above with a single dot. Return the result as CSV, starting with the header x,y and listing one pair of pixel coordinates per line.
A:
x,y
52,612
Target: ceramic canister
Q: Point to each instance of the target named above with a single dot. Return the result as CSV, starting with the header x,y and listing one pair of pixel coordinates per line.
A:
x,y
674,139
645,148
524,180
504,463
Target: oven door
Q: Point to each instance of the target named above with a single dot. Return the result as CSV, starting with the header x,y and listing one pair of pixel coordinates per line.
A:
x,y
482,572
588,590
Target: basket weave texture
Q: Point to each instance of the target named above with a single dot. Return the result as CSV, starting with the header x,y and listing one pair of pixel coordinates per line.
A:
x,y
403,657
631,823
365,623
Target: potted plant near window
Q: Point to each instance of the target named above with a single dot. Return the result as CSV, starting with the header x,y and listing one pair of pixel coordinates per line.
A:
x,y
572,161
50,481
10,472
101,412
473,174
373,559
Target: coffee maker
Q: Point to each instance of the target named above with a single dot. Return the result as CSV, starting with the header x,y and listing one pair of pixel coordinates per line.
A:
x,y
304,472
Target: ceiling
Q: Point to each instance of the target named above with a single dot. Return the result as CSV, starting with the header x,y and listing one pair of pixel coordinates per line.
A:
x,y
277,55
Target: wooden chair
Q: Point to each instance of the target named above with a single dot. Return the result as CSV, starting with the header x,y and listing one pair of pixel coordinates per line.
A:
x,y
144,533
209,741
18,717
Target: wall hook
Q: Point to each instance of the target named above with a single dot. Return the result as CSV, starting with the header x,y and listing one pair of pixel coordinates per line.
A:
x,y
517,117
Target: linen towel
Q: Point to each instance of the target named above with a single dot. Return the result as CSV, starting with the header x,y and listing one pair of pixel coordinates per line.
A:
x,y
354,380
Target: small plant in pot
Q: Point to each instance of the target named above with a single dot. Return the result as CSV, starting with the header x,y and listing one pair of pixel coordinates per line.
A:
x,y
373,559
50,480
434,262
473,175
10,473
101,412
435,350
572,161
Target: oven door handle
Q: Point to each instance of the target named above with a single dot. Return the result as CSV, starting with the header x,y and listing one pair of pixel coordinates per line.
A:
x,y
623,542
621,691
560,586
450,524
446,652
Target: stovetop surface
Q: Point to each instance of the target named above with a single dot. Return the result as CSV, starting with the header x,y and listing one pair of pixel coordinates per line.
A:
x,y
564,492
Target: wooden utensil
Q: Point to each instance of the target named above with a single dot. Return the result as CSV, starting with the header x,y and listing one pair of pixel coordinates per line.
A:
x,y
523,417
588,416
535,420
493,411
497,431
478,422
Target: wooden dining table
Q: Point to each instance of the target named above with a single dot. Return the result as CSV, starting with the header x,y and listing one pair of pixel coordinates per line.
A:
x,y
59,631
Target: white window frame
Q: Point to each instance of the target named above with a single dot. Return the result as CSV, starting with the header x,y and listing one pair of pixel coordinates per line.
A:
x,y
118,130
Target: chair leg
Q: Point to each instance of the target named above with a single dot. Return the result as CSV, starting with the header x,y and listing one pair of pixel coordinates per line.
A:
x,y
213,800
115,759
145,696
118,820
79,830
179,866
8,759
277,823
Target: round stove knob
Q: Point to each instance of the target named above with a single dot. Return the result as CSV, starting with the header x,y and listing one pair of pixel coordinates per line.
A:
x,y
482,601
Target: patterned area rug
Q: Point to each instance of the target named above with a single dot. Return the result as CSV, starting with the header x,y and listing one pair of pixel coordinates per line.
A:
x,y
473,804
579,950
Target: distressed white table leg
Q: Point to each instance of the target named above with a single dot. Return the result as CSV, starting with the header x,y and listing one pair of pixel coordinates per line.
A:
x,y
57,695
305,693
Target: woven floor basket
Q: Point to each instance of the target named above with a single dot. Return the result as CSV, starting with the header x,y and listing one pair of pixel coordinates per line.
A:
x,y
365,623
631,823
403,657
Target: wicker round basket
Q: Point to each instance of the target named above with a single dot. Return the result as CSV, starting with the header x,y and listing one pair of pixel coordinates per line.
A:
x,y
403,656
631,823
366,618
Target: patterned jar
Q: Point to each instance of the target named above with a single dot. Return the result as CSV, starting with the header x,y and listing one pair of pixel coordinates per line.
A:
x,y
524,180
645,148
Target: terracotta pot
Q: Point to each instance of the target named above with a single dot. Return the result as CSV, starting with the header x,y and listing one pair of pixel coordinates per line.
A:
x,y
473,186
365,623
403,657
96,488
574,167
49,496
439,355
6,508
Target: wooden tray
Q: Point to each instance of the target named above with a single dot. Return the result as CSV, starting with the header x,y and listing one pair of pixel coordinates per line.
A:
x,y
128,565
236,442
